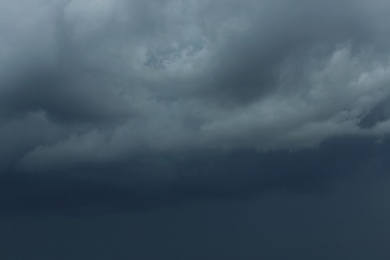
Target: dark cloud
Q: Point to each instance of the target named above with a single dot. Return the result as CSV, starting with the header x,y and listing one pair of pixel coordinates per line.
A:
x,y
159,180
249,64
330,203
129,106
377,114
63,101
124,88
121,78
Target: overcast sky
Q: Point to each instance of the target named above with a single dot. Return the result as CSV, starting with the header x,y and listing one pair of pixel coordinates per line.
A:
x,y
149,109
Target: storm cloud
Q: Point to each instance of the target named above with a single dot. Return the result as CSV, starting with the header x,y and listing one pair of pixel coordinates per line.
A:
x,y
103,81
111,107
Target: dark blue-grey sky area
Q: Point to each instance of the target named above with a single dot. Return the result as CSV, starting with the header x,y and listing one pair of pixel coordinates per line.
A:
x,y
199,129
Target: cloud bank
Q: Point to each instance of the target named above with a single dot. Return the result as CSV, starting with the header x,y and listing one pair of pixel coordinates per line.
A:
x,y
89,83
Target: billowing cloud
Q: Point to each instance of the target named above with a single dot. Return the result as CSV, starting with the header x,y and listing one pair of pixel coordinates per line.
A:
x,y
85,83
203,129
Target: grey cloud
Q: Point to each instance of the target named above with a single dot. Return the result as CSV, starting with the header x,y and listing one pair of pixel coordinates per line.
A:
x,y
159,180
204,129
377,114
61,99
109,81
218,129
250,63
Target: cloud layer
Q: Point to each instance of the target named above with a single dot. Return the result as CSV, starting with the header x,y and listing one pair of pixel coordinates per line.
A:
x,y
203,129
87,83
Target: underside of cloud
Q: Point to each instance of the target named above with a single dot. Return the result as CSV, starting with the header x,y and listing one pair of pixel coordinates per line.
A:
x,y
86,82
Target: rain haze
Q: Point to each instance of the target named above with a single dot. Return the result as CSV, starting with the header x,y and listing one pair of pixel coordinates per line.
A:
x,y
197,129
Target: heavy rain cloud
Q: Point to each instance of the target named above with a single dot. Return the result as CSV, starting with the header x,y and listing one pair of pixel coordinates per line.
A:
x,y
114,106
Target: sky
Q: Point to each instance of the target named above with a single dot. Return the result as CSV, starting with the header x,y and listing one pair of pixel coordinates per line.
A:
x,y
197,129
